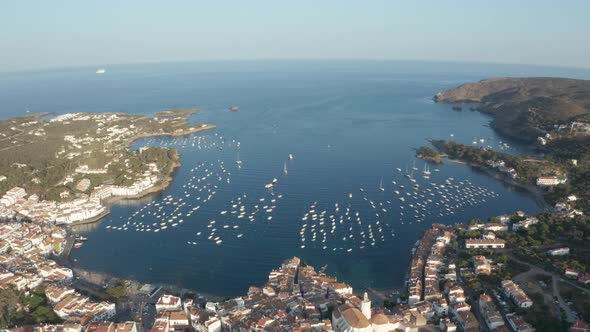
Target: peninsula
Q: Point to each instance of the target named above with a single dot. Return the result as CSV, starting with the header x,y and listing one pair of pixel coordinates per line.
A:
x,y
67,168
551,115
524,108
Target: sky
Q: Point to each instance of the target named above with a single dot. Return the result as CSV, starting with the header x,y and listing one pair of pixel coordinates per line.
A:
x,y
63,33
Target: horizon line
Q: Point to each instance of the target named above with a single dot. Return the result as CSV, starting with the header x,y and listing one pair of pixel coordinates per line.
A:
x,y
106,65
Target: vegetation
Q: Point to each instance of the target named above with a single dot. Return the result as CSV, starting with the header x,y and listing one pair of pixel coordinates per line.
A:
x,y
177,112
580,300
563,151
558,160
528,169
118,290
531,244
16,309
38,154
429,154
524,108
539,315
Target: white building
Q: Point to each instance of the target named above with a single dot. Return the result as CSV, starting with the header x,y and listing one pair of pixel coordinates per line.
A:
x,y
342,288
168,303
525,223
211,306
348,318
12,196
517,295
547,181
484,243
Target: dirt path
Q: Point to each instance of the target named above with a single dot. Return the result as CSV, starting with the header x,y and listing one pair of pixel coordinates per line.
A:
x,y
524,277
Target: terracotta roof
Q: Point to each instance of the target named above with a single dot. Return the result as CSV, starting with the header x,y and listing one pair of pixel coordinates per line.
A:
x,y
379,319
354,317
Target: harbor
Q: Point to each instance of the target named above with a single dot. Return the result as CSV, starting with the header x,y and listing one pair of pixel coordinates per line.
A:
x,y
238,200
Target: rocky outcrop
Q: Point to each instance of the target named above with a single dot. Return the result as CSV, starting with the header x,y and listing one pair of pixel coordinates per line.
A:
x,y
524,108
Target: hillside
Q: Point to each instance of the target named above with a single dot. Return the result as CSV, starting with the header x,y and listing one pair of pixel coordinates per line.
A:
x,y
524,108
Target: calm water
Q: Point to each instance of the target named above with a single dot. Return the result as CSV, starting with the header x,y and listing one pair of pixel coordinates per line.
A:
x,y
348,124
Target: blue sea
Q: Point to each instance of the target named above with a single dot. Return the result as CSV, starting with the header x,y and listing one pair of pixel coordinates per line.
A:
x,y
348,124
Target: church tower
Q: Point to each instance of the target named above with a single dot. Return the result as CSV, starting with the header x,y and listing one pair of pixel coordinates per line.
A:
x,y
366,306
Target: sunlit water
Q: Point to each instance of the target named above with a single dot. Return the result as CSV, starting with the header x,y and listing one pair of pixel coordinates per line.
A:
x,y
348,126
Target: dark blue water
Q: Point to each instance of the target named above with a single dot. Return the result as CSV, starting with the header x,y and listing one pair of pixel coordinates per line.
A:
x,y
348,124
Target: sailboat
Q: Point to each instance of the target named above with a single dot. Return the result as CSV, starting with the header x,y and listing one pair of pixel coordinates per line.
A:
x,y
285,168
381,185
238,161
426,172
411,176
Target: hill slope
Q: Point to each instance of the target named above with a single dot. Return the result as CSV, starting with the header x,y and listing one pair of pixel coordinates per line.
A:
x,y
524,108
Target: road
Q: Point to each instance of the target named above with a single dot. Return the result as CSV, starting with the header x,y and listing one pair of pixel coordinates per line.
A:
x,y
534,270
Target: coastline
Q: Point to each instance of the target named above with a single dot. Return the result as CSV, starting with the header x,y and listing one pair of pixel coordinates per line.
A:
x,y
165,183
95,280
536,193
109,202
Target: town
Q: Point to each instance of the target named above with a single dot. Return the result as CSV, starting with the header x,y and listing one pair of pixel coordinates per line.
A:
x,y
89,160
463,277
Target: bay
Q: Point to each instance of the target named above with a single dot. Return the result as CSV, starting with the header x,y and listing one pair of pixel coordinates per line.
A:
x,y
348,125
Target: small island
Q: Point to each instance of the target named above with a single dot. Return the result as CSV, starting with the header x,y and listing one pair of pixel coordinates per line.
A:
x,y
180,112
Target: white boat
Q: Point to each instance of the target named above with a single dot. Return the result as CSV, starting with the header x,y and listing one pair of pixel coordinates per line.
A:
x,y
100,71
381,185
238,161
285,168
268,186
290,156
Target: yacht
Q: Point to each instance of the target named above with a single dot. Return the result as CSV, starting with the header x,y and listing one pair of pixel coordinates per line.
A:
x,y
238,161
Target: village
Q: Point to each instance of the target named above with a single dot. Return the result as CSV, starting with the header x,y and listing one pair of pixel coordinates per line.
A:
x,y
461,278
90,160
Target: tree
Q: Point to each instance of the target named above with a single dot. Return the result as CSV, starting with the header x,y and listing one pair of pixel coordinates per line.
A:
x,y
118,290
501,259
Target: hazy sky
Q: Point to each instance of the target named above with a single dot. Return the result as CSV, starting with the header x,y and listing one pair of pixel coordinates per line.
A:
x,y
44,33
